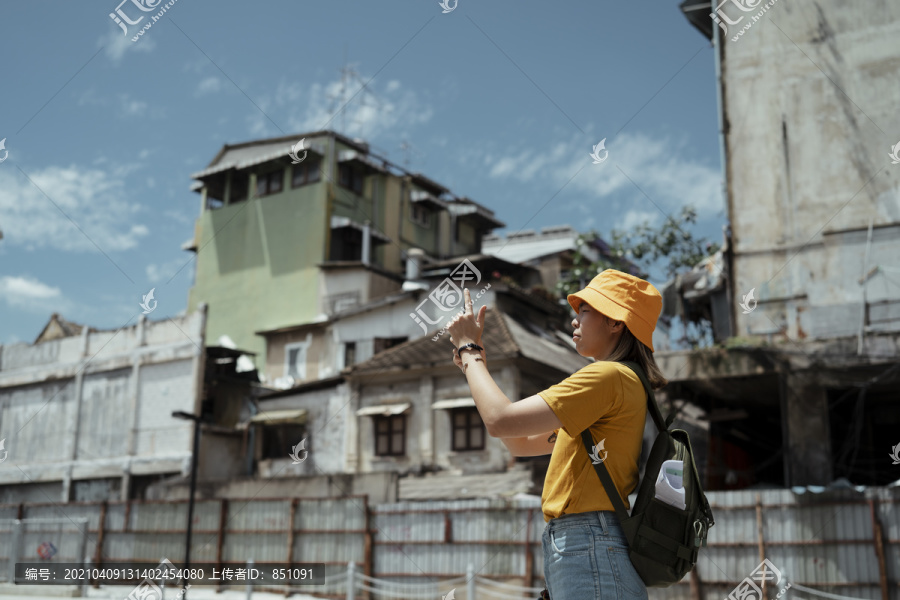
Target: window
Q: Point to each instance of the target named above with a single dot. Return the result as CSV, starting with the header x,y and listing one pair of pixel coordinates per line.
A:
x,y
382,344
295,360
269,183
304,173
277,440
349,354
390,435
420,215
350,178
240,182
346,244
467,429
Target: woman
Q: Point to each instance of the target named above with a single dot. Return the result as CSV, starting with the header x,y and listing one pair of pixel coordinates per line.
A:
x,y
585,550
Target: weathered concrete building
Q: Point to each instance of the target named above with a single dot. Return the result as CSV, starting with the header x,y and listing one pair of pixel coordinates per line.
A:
x,y
807,392
299,234
87,414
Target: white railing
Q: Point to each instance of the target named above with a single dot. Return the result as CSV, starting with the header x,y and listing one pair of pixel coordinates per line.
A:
x,y
477,587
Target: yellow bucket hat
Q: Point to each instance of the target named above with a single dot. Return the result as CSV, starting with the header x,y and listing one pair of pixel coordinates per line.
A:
x,y
626,298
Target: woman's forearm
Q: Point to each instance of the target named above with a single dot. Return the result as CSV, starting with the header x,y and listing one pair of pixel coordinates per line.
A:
x,y
489,398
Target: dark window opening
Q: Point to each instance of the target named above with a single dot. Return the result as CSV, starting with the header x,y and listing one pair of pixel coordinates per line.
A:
x,y
420,215
346,244
864,425
467,429
349,354
390,435
382,344
269,183
277,440
350,178
305,173
240,183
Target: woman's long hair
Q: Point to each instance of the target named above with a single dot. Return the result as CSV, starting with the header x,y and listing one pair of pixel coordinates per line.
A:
x,y
631,349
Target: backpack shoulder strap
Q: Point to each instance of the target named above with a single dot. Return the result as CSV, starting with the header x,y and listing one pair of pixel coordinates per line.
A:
x,y
605,479
661,424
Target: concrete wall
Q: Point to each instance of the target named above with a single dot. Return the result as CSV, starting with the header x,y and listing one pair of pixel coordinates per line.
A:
x,y
428,431
98,407
810,101
326,417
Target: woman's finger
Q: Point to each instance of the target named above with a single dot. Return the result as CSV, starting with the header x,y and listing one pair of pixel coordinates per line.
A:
x,y
468,297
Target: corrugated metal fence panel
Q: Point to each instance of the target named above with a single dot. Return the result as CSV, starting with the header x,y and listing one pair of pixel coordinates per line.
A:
x,y
822,540
330,514
257,529
488,532
72,513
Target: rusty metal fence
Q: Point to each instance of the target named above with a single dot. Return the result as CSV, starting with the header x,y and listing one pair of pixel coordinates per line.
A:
x,y
843,542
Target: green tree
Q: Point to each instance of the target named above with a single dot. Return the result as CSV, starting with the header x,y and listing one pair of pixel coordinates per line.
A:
x,y
665,250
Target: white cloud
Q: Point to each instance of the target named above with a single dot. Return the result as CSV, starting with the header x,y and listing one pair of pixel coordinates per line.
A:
x,y
210,85
634,217
93,198
177,215
660,167
32,295
116,44
165,271
317,106
131,107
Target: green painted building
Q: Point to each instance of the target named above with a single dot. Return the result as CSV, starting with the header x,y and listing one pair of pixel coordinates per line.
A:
x,y
281,242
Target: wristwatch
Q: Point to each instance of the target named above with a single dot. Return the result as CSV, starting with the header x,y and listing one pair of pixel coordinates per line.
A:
x,y
469,346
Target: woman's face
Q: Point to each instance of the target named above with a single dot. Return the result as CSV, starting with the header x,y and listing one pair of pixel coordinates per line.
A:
x,y
594,336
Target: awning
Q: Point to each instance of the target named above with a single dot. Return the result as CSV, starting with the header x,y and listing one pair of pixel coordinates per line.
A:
x,y
423,197
384,410
453,403
289,416
363,159
377,236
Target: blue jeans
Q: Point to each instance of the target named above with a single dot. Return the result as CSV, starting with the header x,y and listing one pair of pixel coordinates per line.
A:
x,y
586,558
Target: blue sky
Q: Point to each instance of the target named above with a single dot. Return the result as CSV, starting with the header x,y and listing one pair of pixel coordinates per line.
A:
x,y
500,101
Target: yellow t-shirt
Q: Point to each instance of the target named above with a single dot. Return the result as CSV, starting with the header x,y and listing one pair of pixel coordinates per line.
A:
x,y
608,397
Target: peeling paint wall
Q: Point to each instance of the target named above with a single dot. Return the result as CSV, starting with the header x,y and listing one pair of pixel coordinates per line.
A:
x,y
810,98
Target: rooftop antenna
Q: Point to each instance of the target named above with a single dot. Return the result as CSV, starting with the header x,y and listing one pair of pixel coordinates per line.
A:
x,y
406,147
348,74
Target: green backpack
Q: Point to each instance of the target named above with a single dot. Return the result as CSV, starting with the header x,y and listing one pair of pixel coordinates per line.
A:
x,y
663,540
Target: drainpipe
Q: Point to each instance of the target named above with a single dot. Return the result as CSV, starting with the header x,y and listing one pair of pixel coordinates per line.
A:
x,y
366,242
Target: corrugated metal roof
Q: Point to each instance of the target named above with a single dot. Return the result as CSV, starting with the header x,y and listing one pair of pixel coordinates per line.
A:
x,y
241,158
